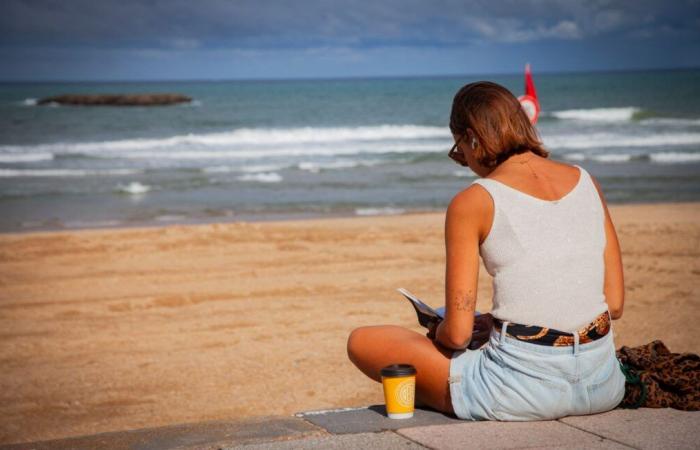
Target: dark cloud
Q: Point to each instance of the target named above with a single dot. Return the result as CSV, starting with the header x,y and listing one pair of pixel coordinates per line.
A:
x,y
179,24
176,39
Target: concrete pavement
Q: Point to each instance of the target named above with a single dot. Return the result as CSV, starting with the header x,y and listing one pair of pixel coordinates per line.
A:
x,y
369,428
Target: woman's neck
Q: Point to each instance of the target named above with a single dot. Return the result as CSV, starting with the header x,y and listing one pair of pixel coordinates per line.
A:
x,y
518,162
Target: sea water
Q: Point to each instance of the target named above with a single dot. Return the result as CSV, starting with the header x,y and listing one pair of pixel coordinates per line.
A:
x,y
260,150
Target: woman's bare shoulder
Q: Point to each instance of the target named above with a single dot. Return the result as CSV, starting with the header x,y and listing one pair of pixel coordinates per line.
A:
x,y
473,198
472,205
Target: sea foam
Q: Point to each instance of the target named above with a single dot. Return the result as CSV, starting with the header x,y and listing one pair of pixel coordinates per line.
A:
x,y
612,157
317,166
255,143
598,114
264,177
133,188
249,145
25,157
605,139
671,121
674,157
265,137
248,169
600,157
657,157
379,211
63,172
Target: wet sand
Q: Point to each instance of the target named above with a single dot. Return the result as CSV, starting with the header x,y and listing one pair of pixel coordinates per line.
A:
x,y
104,330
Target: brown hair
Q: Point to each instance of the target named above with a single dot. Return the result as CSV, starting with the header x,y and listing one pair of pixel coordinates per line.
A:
x,y
498,121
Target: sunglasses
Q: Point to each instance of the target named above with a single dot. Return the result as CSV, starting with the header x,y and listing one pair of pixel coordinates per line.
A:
x,y
456,155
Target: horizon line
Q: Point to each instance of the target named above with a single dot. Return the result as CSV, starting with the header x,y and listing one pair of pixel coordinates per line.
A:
x,y
350,78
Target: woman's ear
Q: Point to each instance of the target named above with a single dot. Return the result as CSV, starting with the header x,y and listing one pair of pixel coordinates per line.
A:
x,y
472,140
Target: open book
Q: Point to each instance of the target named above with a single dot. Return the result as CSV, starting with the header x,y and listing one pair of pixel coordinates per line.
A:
x,y
425,313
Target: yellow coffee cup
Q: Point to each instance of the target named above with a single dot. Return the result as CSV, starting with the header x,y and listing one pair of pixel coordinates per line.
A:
x,y
399,382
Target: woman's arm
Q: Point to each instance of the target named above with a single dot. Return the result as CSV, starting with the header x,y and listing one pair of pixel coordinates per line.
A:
x,y
462,233
614,287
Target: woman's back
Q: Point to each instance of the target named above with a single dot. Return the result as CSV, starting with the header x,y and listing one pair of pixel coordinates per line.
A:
x,y
544,232
546,255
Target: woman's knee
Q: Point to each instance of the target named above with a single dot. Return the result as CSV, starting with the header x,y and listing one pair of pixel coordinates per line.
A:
x,y
357,339
361,338
355,342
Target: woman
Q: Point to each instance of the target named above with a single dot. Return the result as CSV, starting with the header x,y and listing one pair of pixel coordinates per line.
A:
x,y
545,235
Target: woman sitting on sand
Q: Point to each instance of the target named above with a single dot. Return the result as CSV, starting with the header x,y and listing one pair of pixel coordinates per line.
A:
x,y
544,232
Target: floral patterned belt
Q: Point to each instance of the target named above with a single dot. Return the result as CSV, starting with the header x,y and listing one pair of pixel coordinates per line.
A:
x,y
598,328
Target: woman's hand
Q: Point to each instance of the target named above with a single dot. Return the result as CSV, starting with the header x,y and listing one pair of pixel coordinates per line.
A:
x,y
480,335
483,324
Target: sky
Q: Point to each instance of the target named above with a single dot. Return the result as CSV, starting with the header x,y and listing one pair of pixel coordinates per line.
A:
x,y
257,39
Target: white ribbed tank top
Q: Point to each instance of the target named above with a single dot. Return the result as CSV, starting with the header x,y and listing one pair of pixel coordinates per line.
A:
x,y
546,257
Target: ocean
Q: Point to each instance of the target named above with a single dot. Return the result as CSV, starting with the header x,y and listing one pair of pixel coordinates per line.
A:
x,y
265,150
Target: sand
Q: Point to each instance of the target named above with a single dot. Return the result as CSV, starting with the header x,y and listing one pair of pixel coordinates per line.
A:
x,y
104,330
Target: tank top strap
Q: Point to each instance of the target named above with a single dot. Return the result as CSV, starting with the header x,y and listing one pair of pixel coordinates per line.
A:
x,y
586,181
487,184
496,190
590,194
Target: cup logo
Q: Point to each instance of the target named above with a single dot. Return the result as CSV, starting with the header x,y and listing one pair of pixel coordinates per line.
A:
x,y
405,393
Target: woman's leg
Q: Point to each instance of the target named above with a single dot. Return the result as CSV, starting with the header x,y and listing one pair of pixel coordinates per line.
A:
x,y
373,347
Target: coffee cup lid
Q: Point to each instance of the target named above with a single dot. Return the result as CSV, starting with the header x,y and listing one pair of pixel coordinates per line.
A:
x,y
398,370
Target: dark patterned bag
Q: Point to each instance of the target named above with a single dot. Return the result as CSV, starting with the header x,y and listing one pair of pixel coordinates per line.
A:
x,y
657,378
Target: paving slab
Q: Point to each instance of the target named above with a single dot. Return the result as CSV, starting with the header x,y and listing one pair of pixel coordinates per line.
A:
x,y
644,428
371,419
386,440
201,436
507,435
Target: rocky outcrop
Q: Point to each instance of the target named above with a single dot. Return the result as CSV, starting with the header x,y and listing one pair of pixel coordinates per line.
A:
x,y
116,99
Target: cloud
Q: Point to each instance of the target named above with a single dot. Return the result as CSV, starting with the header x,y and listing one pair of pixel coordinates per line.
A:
x,y
512,30
181,24
137,39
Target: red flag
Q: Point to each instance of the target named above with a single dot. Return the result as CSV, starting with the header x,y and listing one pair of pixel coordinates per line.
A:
x,y
529,84
529,100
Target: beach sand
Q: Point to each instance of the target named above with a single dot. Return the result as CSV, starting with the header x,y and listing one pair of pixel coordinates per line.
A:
x,y
105,330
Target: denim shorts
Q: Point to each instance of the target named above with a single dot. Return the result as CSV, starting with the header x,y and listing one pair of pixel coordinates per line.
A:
x,y
508,379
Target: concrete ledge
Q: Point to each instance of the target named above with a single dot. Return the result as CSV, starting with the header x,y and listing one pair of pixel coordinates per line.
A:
x,y
644,428
387,440
372,419
508,435
201,436
368,427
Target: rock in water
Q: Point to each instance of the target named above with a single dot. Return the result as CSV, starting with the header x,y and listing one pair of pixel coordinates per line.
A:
x,y
116,99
